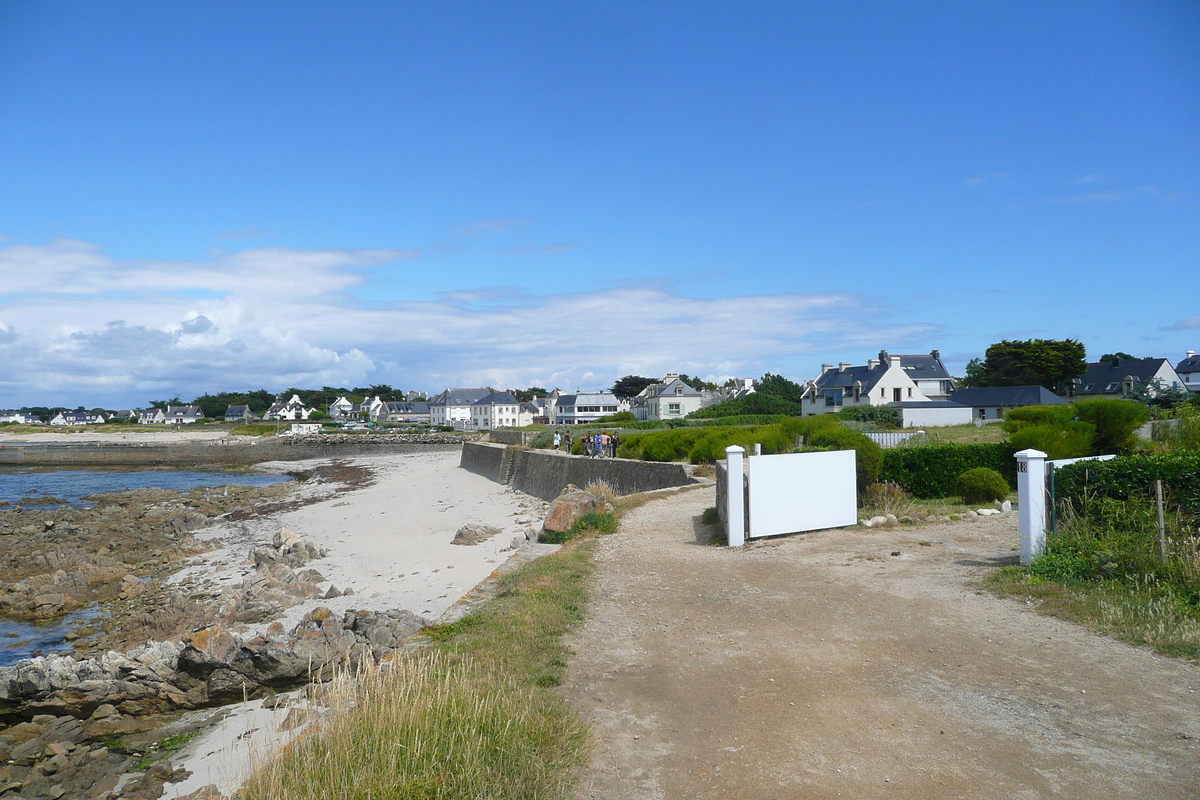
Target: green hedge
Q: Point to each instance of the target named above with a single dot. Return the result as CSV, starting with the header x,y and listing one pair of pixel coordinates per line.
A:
x,y
1134,475
933,470
707,444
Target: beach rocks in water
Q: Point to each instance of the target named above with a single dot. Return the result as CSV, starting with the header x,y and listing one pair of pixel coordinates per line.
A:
x,y
474,534
569,506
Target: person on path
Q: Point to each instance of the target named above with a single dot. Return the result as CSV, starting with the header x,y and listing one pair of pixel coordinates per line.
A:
x,y
557,440
598,444
614,442
568,442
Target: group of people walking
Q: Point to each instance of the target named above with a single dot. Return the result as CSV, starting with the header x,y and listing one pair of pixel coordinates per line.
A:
x,y
594,445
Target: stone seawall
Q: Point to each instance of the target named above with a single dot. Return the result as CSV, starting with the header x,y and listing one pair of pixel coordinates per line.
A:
x,y
545,474
221,454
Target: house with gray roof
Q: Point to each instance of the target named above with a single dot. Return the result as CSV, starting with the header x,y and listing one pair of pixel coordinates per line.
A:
x,y
1118,377
453,406
182,415
989,404
670,399
239,413
881,381
496,410
584,407
1188,371
395,411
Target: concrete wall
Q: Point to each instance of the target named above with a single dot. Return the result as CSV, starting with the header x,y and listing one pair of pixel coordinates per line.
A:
x,y
509,437
483,459
545,474
935,417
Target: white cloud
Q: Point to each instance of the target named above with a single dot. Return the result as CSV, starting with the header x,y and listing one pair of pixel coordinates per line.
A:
x,y
79,327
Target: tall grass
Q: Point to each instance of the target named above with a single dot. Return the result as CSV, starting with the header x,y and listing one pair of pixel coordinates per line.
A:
x,y
1104,570
473,716
431,725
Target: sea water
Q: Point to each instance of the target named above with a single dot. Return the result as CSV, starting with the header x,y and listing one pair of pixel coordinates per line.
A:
x,y
24,486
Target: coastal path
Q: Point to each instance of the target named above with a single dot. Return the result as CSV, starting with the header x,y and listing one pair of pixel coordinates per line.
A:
x,y
859,663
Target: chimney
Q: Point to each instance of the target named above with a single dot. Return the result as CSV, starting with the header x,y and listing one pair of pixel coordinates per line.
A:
x,y
872,363
883,356
935,354
895,361
843,366
825,368
1116,362
1191,353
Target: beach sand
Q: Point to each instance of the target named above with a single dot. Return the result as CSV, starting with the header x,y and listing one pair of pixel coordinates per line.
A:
x,y
391,543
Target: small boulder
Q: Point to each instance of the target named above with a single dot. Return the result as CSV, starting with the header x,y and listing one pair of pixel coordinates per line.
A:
x,y
1006,507
474,534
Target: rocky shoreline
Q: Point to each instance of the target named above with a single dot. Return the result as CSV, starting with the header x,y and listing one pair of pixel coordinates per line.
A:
x,y
195,619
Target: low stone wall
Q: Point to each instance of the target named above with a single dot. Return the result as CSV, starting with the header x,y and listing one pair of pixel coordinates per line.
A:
x,y
295,448
545,474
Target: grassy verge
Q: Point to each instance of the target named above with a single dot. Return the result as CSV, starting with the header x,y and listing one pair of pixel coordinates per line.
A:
x,y
475,715
1141,615
967,434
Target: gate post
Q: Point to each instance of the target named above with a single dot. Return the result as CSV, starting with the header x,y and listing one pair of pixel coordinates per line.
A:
x,y
735,496
1031,493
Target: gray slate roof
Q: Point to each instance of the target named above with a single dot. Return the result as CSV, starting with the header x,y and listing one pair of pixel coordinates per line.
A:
x,y
1007,396
927,404
497,399
1188,365
1101,375
459,397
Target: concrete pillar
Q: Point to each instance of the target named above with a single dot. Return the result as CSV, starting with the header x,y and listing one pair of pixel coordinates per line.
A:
x,y
1031,491
735,495
758,448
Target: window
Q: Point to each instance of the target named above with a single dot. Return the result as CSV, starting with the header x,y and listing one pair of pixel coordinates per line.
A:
x,y
896,395
833,397
672,408
910,391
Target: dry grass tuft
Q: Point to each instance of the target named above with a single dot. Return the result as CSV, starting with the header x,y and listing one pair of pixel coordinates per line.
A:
x,y
430,725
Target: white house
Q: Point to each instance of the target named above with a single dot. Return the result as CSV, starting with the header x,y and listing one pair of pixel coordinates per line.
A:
x,y
183,415
341,409
22,417
496,410
1117,377
671,399
77,418
1188,371
293,409
394,411
453,406
583,407
881,382
151,416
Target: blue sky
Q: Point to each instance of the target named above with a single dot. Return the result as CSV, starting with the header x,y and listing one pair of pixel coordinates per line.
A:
x,y
219,196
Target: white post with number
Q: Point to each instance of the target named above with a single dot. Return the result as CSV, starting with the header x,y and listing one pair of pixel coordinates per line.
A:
x,y
735,495
1031,493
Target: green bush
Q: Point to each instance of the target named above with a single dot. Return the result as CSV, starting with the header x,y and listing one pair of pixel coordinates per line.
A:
x,y
981,485
1070,441
1129,476
757,403
880,415
1115,422
604,522
620,416
1038,415
932,470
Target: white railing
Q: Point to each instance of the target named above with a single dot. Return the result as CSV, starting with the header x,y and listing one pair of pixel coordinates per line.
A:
x,y
892,439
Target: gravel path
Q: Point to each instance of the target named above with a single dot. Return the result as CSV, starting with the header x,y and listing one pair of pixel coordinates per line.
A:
x,y
822,665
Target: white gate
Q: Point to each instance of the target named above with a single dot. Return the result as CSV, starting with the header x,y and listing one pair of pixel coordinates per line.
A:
x,y
791,493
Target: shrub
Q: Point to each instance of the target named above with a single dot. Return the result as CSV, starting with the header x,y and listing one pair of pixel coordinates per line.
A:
x,y
1128,476
1038,415
604,522
1115,422
981,485
887,498
932,470
1072,441
620,416
880,415
757,403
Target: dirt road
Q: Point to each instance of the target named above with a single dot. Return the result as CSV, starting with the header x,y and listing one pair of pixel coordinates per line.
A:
x,y
823,665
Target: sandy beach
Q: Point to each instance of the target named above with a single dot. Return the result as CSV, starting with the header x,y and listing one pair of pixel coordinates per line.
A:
x,y
390,543
97,435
